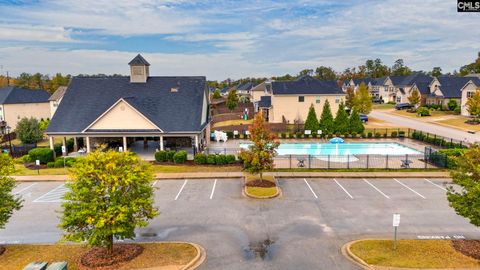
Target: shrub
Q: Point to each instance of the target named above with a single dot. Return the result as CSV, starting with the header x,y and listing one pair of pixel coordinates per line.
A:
x,y
170,155
378,135
220,159
354,134
26,159
28,131
211,159
59,163
45,155
364,135
200,158
385,135
457,110
230,159
422,111
370,135
338,134
180,157
299,135
229,134
283,135
394,134
51,164
161,156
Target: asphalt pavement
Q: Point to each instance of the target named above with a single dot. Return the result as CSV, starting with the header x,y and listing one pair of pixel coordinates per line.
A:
x,y
303,229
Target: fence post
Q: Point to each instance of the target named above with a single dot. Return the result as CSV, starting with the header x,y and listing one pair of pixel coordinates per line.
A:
x,y
309,162
328,161
406,159
408,136
425,158
451,142
290,160
368,160
386,162
348,161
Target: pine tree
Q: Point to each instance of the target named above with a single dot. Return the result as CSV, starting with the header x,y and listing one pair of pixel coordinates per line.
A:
x,y
326,120
356,124
312,122
342,123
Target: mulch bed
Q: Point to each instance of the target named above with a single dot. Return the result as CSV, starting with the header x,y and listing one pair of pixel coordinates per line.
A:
x,y
259,183
2,250
469,248
32,166
98,258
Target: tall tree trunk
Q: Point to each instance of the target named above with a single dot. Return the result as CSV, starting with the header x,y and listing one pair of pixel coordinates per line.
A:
x,y
261,177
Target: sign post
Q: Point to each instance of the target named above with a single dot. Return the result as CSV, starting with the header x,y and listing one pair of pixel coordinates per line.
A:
x,y
37,163
64,153
396,223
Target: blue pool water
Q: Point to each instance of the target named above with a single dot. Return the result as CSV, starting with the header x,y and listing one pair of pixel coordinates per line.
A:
x,y
343,149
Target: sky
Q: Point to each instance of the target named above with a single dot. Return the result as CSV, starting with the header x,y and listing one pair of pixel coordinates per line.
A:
x,y
232,39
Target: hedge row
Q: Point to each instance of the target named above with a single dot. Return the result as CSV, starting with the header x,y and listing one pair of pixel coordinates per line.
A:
x,y
45,155
214,159
171,156
59,162
435,140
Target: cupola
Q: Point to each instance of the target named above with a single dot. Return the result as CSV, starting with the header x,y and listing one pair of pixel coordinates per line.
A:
x,y
139,69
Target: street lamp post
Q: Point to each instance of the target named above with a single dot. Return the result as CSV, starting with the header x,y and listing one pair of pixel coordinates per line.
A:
x,y
8,129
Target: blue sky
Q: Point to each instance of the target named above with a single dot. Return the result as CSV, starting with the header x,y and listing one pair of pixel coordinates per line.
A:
x,y
221,39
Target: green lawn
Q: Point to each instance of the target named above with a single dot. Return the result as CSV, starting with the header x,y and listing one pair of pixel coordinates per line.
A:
x,y
412,254
384,106
459,122
261,191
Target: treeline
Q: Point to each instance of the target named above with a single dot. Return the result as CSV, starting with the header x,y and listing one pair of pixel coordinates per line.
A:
x,y
372,68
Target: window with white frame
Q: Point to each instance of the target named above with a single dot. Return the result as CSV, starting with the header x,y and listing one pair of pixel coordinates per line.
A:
x,y
337,100
317,99
469,94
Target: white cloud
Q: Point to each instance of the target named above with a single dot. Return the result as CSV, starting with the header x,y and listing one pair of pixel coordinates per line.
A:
x,y
34,33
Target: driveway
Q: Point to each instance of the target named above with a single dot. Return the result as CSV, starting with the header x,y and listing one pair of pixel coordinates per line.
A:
x,y
303,229
426,127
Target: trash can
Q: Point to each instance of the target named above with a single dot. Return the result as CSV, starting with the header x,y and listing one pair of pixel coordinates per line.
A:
x,y
58,266
36,266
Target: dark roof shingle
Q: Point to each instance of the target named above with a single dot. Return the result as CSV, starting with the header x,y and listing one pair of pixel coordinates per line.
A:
x,y
306,85
87,98
265,102
16,95
451,85
138,60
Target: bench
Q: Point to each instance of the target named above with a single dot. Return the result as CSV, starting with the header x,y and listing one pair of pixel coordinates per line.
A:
x,y
301,162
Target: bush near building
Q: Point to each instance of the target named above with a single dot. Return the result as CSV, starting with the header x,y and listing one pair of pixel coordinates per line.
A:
x,y
45,155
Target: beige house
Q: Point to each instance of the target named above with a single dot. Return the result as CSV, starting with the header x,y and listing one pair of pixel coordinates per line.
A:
x,y
55,99
290,101
17,103
139,112
466,92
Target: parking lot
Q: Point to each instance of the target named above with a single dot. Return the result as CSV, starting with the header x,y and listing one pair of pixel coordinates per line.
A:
x,y
311,214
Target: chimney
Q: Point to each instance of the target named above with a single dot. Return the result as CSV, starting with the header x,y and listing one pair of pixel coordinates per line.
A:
x,y
139,69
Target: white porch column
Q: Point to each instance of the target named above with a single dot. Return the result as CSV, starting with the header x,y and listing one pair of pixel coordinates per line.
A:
x,y
207,135
161,142
64,143
51,138
196,142
75,144
124,143
87,141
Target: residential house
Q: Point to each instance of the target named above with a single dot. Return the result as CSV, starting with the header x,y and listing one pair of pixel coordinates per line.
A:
x,y
260,90
290,101
56,98
243,90
224,92
467,91
155,112
446,88
17,103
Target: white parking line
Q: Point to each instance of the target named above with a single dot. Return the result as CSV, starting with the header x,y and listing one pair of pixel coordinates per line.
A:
x,y
349,195
409,188
444,189
154,183
54,195
384,195
180,191
315,195
25,188
213,189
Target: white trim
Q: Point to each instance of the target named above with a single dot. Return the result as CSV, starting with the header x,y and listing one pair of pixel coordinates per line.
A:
x,y
467,83
115,104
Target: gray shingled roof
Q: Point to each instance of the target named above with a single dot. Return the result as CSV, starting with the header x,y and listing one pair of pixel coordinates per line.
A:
x,y
87,98
364,80
245,86
306,85
58,94
16,95
139,60
265,102
451,85
423,88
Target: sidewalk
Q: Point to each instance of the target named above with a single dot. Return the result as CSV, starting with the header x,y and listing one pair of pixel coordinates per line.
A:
x,y
218,175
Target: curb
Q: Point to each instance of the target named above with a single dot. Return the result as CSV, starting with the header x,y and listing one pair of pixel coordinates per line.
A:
x,y
345,250
198,260
246,194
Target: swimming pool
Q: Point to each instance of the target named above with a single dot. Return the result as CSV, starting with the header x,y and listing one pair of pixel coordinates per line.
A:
x,y
343,149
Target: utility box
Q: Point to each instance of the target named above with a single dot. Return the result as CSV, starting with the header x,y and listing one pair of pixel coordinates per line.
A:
x,y
36,266
58,266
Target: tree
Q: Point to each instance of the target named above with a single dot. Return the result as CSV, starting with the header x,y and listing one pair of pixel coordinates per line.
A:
x,y
466,201
399,69
356,124
342,123
350,98
363,100
312,122
8,201
414,98
110,195
452,105
232,100
306,72
28,130
436,71
325,73
326,120
471,68
260,155
473,104
43,125
216,94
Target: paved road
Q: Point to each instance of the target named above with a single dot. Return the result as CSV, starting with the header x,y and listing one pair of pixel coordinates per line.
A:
x,y
307,225
426,127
